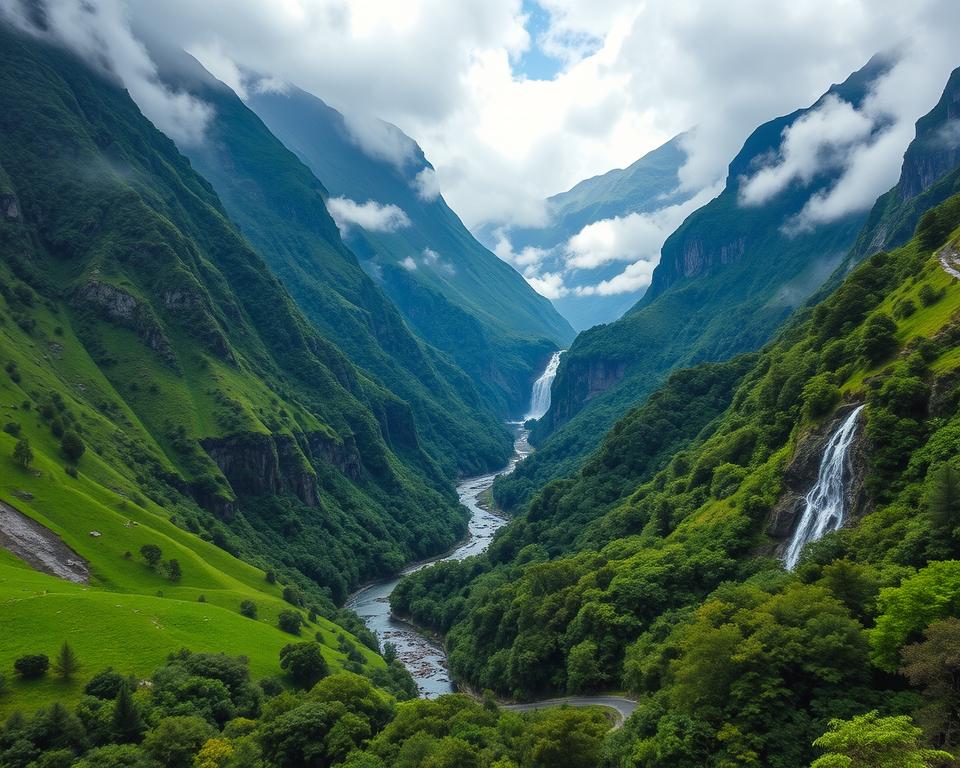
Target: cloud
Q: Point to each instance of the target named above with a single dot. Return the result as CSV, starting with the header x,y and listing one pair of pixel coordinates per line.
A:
x,y
371,215
637,237
634,278
100,33
819,141
409,264
380,140
526,258
549,284
430,258
426,184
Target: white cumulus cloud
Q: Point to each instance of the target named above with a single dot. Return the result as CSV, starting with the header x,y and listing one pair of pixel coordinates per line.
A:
x,y
427,185
371,215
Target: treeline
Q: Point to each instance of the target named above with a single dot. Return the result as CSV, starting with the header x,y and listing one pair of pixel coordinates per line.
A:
x,y
202,710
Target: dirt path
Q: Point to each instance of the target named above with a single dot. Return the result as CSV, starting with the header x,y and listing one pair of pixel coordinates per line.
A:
x,y
40,547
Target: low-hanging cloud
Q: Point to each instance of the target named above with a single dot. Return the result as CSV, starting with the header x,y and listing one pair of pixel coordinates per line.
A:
x,y
426,184
371,215
634,278
99,31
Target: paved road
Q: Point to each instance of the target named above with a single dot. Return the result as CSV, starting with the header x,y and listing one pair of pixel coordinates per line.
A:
x,y
623,707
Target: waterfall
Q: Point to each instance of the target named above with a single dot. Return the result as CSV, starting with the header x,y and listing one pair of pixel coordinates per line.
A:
x,y
823,504
540,396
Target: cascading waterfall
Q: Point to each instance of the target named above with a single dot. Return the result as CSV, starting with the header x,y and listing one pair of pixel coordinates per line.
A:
x,y
540,396
823,504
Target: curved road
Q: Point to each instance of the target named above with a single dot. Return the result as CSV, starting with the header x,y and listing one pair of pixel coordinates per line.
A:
x,y
622,706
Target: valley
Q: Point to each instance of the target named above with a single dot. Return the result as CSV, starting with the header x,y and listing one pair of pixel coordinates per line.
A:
x,y
303,463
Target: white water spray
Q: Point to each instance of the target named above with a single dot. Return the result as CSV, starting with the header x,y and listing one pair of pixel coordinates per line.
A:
x,y
823,504
540,396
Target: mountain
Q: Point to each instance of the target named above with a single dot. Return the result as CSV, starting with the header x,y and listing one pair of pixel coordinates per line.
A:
x,y
454,293
278,205
727,278
663,575
139,325
646,186
930,174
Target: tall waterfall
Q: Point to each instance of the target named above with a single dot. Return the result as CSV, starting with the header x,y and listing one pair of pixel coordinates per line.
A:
x,y
540,396
823,504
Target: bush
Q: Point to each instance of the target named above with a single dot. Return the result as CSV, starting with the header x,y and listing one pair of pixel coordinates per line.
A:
x,y
928,295
32,666
152,554
105,684
878,339
22,453
72,446
290,621
173,570
820,394
271,577
292,595
248,608
12,428
304,663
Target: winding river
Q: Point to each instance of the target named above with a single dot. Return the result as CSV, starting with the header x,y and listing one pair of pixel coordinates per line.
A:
x,y
423,656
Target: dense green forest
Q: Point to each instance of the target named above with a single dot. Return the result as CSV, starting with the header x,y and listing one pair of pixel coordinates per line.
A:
x,y
670,589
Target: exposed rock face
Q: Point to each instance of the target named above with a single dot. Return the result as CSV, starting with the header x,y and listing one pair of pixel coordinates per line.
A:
x,y
257,465
801,475
123,309
584,380
936,150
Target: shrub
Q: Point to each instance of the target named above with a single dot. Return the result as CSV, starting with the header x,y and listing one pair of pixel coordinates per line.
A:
x,y
292,595
173,570
152,554
290,621
271,577
820,394
32,666
12,428
929,295
248,608
72,446
878,339
304,663
22,453
106,684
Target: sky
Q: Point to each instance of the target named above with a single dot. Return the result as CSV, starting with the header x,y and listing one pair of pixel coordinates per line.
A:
x,y
516,100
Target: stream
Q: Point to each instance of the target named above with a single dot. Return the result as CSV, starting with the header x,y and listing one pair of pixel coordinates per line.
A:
x,y
423,656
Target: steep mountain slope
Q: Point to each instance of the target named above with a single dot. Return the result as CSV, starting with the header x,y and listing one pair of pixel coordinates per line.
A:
x,y
457,295
278,205
647,185
136,316
726,279
930,174
669,589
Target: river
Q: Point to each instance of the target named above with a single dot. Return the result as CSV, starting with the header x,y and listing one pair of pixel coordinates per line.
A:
x,y
423,656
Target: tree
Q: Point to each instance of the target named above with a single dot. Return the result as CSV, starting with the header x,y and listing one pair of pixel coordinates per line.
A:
x,y
175,740
66,664
871,741
248,608
152,554
72,446
173,570
32,666
359,695
106,684
943,509
879,337
933,666
304,663
22,453
127,721
313,735
289,621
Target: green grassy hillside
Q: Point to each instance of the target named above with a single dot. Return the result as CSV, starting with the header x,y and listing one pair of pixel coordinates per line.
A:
x,y
672,592
170,391
278,204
